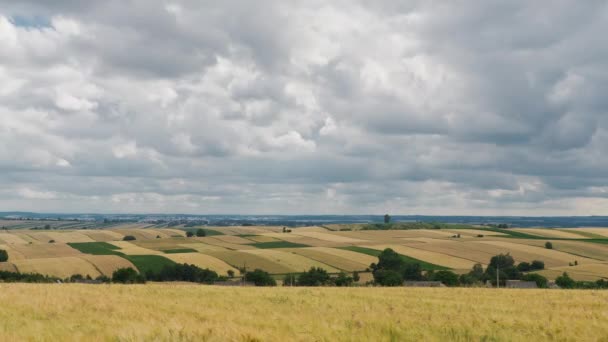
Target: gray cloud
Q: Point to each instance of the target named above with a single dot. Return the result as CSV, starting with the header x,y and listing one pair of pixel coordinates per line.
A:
x,y
412,107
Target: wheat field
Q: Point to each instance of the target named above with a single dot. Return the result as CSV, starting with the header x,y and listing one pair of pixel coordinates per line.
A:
x,y
161,312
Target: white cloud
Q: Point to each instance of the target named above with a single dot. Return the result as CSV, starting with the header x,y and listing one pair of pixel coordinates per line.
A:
x,y
266,107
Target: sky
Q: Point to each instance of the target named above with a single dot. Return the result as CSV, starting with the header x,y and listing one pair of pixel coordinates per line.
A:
x,y
304,107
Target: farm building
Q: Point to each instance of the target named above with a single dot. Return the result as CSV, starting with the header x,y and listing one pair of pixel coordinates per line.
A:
x,y
423,284
518,284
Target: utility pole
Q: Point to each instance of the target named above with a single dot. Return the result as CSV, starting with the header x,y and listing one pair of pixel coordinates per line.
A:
x,y
497,273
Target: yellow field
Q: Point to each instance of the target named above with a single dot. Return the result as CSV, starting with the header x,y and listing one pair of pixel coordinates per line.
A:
x,y
296,263
589,272
251,261
47,250
72,312
131,249
58,267
262,238
69,237
428,256
103,235
328,237
324,255
202,261
107,264
550,233
551,257
230,239
603,232
202,247
11,239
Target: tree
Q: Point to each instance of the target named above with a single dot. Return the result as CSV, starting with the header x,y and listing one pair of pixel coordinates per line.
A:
x,y
47,226
537,265
390,260
387,219
356,277
230,273
129,238
524,266
260,278
388,278
343,280
565,282
127,276
201,232
477,271
412,271
290,279
541,281
189,234
315,276
51,241
502,261
3,255
448,278
548,245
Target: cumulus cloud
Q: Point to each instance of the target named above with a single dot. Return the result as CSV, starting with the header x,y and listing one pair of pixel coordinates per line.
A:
x,y
412,107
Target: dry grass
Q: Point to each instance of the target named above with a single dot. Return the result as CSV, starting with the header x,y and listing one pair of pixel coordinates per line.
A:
x,y
202,261
58,267
240,259
107,264
331,237
103,235
7,267
46,250
215,242
12,239
429,256
72,312
551,257
324,255
550,233
296,263
597,231
69,237
581,272
131,249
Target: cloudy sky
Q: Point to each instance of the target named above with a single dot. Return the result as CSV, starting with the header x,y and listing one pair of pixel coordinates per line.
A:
x,y
304,107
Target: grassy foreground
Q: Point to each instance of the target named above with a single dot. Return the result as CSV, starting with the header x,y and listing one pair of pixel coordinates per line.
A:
x,y
198,313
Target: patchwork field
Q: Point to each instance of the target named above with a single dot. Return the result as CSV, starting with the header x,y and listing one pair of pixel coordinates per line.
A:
x,y
162,312
101,251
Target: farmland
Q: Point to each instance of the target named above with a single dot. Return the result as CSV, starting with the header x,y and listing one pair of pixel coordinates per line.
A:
x,y
168,312
59,250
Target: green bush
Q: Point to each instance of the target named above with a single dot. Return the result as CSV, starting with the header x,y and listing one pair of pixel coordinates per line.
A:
x,y
448,278
189,234
548,245
260,278
537,265
316,276
541,281
129,238
3,255
127,276
201,232
565,282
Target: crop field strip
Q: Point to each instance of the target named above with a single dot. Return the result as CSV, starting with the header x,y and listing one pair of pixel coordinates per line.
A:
x,y
549,256
62,267
202,261
132,249
428,256
296,263
240,259
336,261
549,233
